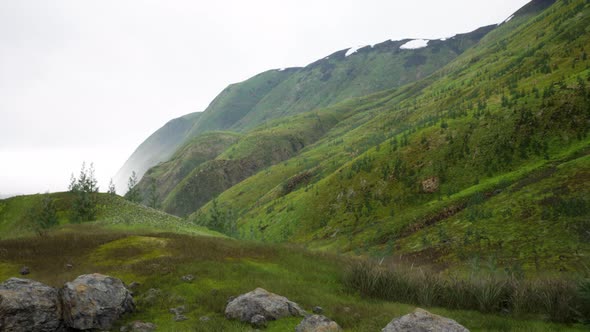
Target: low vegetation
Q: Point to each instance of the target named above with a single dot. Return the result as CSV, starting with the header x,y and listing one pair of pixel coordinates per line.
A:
x,y
224,268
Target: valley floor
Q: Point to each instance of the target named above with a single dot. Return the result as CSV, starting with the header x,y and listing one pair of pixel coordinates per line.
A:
x,y
222,268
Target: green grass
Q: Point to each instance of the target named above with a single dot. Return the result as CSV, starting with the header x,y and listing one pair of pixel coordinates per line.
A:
x,y
113,212
222,268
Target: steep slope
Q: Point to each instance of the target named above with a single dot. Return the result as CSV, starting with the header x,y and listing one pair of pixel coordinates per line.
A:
x,y
429,169
357,72
222,113
160,180
278,93
157,148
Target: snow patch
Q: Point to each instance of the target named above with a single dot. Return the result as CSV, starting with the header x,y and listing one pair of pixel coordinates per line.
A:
x,y
281,69
353,50
508,19
415,44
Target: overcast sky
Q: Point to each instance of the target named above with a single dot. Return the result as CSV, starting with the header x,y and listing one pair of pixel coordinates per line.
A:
x,y
90,80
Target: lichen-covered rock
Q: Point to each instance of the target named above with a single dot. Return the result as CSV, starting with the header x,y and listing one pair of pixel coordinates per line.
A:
x,y
423,321
27,305
317,323
95,301
261,302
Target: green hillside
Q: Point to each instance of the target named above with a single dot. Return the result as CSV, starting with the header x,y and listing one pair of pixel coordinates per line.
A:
x,y
483,163
157,148
18,216
278,93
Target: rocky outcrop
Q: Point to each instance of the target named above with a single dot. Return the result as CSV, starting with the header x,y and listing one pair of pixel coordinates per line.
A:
x,y
95,301
27,305
423,321
431,185
317,323
261,302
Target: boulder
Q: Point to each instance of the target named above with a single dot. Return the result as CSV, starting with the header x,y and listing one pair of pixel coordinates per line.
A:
x,y
318,310
261,302
317,323
27,305
423,321
258,322
95,301
431,185
187,278
139,326
178,313
24,270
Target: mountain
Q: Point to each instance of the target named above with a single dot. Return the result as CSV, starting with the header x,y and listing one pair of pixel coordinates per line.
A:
x,y
486,160
157,148
277,93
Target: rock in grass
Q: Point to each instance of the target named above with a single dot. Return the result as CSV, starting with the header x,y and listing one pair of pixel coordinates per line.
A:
x,y
139,326
261,302
178,313
95,301
258,322
133,285
27,305
188,278
317,323
422,320
24,270
318,310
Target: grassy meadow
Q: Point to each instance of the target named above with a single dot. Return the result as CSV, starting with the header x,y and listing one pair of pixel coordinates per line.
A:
x,y
224,268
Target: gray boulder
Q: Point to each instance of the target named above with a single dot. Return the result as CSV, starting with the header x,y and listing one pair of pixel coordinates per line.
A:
x,y
423,321
258,322
24,270
139,326
261,302
95,301
318,310
27,305
317,323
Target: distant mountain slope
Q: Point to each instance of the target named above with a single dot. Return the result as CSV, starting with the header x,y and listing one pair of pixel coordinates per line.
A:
x,y
357,72
486,160
278,93
157,148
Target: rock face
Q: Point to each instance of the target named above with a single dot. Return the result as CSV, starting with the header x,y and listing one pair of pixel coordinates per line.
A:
x,y
317,323
261,302
27,305
423,321
95,301
431,185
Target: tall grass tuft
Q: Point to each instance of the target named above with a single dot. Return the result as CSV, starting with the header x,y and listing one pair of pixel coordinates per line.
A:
x,y
559,300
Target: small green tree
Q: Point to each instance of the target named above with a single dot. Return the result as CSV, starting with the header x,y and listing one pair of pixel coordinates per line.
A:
x,y
112,189
152,197
133,194
43,217
85,188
